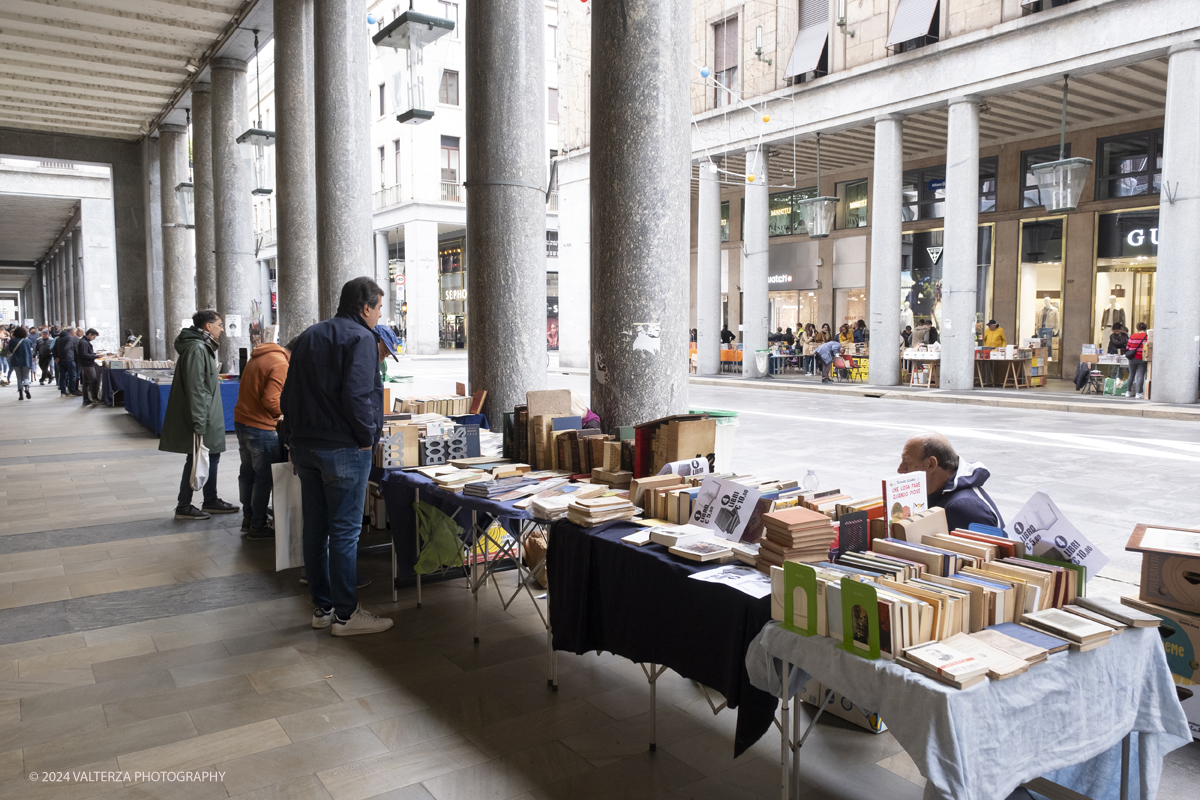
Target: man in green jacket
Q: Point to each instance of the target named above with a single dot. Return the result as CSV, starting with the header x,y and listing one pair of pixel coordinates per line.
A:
x,y
194,407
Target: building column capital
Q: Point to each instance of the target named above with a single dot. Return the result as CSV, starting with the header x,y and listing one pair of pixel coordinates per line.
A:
x,y
972,99
172,128
889,118
234,64
201,87
1182,48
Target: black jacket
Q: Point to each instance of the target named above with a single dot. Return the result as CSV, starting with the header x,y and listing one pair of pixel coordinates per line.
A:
x,y
85,353
64,347
44,348
965,500
333,395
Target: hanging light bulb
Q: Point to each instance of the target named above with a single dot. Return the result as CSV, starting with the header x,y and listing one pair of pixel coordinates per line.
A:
x,y
818,213
1060,183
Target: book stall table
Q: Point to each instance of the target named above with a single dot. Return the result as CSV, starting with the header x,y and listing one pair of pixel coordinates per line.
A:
x,y
403,489
923,366
1082,720
1014,370
782,362
146,400
639,603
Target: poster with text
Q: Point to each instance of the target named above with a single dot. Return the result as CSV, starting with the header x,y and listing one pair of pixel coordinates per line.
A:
x,y
1046,532
724,507
689,466
904,496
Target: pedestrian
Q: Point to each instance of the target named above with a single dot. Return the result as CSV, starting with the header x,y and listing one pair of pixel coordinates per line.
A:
x,y
1135,351
808,343
45,357
825,355
950,482
64,349
994,335
20,359
826,332
5,368
906,335
844,335
85,359
727,336
194,409
861,334
789,338
255,418
332,406
1116,346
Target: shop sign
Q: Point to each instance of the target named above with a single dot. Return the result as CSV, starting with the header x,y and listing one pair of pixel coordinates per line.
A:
x,y
1128,234
456,294
935,253
779,279
937,185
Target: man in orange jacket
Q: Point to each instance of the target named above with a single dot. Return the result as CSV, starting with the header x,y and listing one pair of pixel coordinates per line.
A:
x,y
254,419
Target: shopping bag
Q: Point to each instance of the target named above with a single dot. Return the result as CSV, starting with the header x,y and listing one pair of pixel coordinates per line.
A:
x,y
289,517
199,475
1110,386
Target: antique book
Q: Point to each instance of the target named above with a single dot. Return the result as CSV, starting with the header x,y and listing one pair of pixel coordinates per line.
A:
x,y
1119,612
708,549
947,661
1069,626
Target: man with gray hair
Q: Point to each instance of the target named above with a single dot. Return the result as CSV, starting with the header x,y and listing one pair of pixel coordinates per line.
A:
x,y
951,483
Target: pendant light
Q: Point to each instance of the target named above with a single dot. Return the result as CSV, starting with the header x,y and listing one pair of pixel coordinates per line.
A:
x,y
818,213
255,141
185,192
1060,183
416,94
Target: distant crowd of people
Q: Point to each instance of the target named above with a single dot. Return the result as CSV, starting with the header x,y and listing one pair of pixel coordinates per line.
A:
x,y
62,356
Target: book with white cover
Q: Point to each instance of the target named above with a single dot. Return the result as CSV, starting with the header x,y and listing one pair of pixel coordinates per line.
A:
x,y
1119,612
1000,664
706,549
1067,625
670,537
946,660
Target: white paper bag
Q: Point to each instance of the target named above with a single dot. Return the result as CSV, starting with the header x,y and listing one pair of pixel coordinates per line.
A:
x,y
289,517
199,463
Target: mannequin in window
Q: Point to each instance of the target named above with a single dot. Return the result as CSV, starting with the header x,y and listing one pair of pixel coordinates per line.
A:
x,y
1113,314
906,315
1047,320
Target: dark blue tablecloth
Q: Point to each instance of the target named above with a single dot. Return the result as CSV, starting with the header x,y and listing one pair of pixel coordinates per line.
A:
x,y
147,402
639,603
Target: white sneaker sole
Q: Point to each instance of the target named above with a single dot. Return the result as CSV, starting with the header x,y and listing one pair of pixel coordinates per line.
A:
x,y
322,622
346,630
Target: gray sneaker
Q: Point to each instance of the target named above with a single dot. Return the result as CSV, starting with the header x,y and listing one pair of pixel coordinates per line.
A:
x,y
361,621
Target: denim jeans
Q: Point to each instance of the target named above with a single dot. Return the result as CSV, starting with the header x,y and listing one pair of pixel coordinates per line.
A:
x,y
259,449
334,487
22,376
68,377
210,486
808,363
1137,376
4,368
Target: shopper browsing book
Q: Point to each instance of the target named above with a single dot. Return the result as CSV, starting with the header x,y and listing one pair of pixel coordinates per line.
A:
x,y
951,483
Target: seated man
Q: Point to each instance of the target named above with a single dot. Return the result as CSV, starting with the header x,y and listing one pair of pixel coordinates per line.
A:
x,y
951,484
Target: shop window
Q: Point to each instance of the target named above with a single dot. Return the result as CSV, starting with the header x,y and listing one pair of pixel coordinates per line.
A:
x,y
453,299
988,167
382,99
552,105
1129,165
448,92
552,310
551,244
1040,287
852,210
849,306
784,212
450,154
724,220
1126,263
726,45
1030,198
925,190
921,283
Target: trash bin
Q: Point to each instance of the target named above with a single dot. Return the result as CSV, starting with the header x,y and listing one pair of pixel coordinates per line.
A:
x,y
727,424
761,359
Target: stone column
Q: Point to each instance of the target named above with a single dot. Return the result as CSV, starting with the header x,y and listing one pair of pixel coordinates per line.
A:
x,y
1177,291
295,168
708,273
422,289
68,256
886,217
51,266
154,338
237,272
179,277
641,211
202,182
77,268
343,130
506,201
755,321
961,240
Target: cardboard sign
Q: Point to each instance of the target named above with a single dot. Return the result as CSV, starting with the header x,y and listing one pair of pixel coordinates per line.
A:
x,y
724,507
904,496
1046,532
689,466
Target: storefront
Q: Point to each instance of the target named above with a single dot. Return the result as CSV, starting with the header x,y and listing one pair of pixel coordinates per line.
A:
x,y
1040,286
452,295
1126,260
792,285
921,283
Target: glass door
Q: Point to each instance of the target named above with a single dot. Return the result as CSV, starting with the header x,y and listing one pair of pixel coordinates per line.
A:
x,y
1040,287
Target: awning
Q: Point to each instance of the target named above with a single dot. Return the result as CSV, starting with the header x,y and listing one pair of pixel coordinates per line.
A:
x,y
806,53
913,18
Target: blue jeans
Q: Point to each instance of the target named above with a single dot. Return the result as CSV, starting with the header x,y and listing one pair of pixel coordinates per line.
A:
x,y
5,370
210,486
334,487
259,449
68,376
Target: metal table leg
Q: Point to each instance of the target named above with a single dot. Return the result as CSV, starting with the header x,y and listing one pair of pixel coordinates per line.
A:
x,y
785,742
652,675
417,538
473,579
1125,743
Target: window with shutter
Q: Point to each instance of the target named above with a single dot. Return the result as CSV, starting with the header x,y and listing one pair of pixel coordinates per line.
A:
x,y
915,25
726,46
809,54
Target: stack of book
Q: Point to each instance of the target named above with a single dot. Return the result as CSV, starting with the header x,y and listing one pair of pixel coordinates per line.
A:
x,y
593,511
945,663
794,534
551,504
1083,634
500,486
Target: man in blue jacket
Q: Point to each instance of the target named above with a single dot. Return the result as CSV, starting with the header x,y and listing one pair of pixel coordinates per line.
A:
x,y
332,404
951,483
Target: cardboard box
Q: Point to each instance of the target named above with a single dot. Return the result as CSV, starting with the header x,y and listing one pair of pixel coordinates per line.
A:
x,y
813,693
1181,640
1170,565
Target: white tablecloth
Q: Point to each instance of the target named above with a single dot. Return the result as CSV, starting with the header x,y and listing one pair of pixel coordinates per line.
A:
x,y
1063,719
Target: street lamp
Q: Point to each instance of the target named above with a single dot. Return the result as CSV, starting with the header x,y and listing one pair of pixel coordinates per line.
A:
x,y
1060,183
416,33
818,213
255,141
186,198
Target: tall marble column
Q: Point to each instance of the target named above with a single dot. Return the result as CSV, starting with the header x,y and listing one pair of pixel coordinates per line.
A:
x,y
179,277
960,260
51,267
708,273
755,317
295,168
1177,286
68,255
237,272
641,215
77,266
154,342
202,183
887,202
343,131
506,201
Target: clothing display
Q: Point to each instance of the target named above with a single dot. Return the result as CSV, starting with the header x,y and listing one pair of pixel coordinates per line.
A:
x,y
1047,317
1112,316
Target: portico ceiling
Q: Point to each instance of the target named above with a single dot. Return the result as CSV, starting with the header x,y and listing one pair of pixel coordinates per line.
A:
x,y
28,226
104,67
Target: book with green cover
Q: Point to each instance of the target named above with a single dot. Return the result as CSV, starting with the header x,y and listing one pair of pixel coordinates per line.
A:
x,y
1079,569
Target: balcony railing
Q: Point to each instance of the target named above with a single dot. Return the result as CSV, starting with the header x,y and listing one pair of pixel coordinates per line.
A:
x,y
553,204
451,192
387,197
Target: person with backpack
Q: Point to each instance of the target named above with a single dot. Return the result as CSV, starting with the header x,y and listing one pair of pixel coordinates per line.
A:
x,y
1135,352
20,358
44,352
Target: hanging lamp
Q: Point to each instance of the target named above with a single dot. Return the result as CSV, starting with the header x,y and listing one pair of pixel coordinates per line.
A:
x,y
185,192
818,213
1060,183
255,141
416,95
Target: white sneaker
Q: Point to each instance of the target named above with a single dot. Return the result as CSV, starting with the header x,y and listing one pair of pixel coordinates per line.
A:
x,y
322,617
1140,396
361,621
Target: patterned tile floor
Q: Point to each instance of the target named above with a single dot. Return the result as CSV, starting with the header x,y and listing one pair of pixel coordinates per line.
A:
x,y
129,642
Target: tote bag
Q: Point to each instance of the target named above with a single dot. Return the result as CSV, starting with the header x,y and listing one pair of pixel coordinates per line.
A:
x,y
289,517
